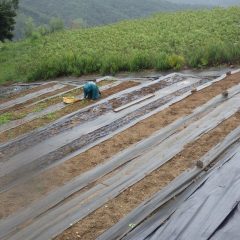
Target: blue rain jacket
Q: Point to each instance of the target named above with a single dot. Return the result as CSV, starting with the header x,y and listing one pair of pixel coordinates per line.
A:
x,y
91,91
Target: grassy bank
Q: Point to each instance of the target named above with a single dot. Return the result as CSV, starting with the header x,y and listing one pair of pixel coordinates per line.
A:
x,y
163,41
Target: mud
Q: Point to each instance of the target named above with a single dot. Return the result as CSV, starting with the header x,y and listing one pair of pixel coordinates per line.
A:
x,y
108,215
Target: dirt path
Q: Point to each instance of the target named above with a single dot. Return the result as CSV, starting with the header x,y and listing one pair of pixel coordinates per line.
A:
x,y
108,215
57,176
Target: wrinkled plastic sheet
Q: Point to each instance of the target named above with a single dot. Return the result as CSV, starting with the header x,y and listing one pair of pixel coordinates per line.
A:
x,y
229,229
213,210
160,216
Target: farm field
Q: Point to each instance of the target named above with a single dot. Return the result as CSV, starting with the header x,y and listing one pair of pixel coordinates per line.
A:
x,y
164,41
125,166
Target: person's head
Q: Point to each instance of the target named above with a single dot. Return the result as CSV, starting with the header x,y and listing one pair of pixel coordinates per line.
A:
x,y
91,81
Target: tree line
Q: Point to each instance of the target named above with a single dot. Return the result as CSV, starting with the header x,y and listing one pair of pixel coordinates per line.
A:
x,y
8,12
30,30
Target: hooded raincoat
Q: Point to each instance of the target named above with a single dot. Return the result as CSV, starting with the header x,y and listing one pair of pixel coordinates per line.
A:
x,y
91,91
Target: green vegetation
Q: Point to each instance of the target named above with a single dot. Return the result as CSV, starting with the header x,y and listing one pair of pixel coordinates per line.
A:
x,y
40,107
163,41
7,18
93,12
10,116
51,116
83,13
223,3
5,118
30,30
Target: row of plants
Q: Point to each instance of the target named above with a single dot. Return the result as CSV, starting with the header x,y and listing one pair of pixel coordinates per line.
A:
x,y
164,41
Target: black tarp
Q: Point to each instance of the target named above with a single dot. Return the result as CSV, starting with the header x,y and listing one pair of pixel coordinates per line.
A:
x,y
212,212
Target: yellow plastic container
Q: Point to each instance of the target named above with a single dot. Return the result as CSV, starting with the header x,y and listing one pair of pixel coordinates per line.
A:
x,y
69,100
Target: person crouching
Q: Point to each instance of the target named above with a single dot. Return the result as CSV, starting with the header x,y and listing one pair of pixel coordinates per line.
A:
x,y
91,91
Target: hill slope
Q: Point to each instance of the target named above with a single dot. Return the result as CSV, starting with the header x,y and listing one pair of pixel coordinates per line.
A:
x,y
223,3
164,41
94,12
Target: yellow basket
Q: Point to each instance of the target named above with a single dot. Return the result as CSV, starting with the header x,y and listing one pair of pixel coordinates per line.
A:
x,y
69,100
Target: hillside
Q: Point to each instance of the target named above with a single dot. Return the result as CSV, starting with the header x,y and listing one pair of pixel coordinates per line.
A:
x,y
163,41
93,12
223,3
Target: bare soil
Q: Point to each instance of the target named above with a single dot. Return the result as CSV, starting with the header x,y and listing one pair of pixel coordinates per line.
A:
x,y
105,217
57,176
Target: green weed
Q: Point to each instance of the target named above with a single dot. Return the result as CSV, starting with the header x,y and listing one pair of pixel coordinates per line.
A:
x,y
38,108
51,116
5,118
